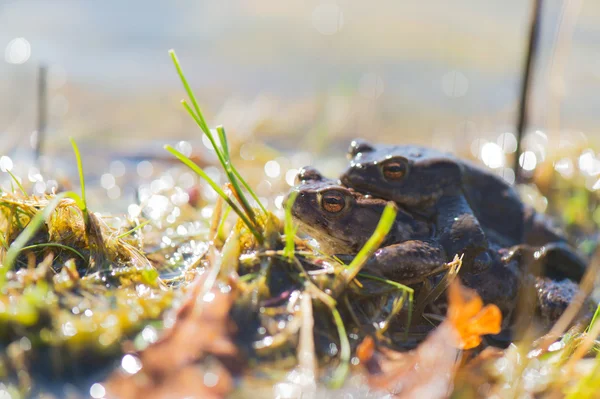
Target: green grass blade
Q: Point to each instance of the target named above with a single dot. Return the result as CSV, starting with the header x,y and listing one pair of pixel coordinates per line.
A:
x,y
131,231
18,183
596,315
248,277
223,141
190,164
401,287
53,244
227,167
231,176
288,228
341,372
200,122
248,188
589,385
190,93
32,227
223,152
221,228
383,227
83,202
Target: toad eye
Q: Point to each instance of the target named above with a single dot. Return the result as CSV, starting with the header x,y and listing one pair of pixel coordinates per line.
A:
x,y
394,169
333,201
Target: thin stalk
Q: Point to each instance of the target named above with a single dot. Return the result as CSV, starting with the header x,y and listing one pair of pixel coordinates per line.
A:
x,y
527,73
190,164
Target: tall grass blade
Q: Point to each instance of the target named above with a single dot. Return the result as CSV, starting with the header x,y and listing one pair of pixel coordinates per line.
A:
x,y
190,94
82,203
18,183
231,176
341,372
383,227
190,164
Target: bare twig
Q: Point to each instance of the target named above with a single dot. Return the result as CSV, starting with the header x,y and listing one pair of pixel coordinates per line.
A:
x,y
528,67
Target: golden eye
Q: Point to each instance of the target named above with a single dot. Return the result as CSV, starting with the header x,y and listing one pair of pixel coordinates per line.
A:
x,y
394,169
333,201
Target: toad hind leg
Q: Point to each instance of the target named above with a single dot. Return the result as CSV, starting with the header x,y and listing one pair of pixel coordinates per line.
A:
x,y
408,262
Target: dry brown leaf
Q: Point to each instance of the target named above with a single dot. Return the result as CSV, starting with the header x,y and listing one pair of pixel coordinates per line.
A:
x,y
172,366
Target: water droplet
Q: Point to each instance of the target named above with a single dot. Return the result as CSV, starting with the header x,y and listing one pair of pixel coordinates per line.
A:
x,y
508,142
97,391
131,364
184,147
528,160
17,51
145,169
107,180
134,210
6,164
117,168
290,177
492,155
272,169
211,379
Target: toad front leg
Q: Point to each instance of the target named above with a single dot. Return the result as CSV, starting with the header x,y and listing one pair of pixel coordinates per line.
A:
x,y
459,232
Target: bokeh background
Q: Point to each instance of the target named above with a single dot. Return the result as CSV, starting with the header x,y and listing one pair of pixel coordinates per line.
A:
x,y
292,82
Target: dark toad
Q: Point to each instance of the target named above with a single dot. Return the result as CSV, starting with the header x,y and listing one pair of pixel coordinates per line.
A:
x,y
470,205
342,220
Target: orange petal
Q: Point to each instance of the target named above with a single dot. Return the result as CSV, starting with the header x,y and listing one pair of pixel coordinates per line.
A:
x,y
468,316
464,303
470,342
365,349
487,321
